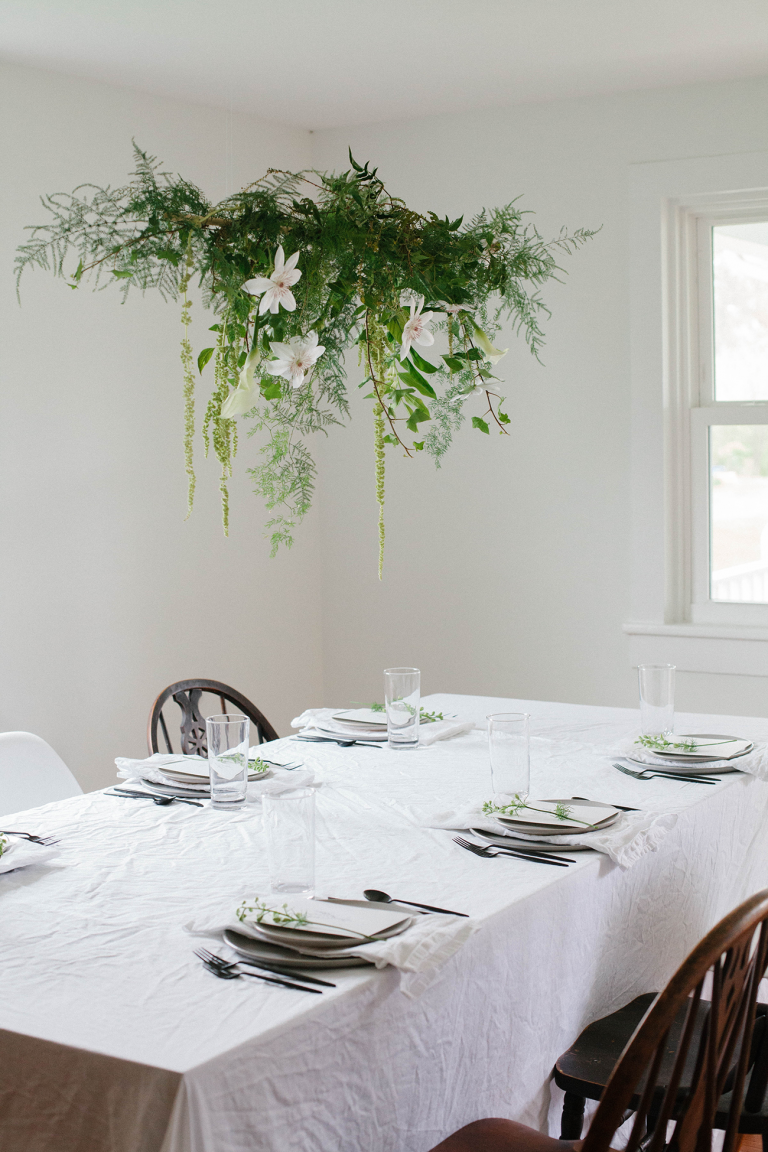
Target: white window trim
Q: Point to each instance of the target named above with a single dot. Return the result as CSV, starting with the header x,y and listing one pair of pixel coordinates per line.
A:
x,y
670,202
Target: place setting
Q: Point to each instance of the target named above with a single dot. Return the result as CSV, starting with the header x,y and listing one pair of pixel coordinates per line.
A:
x,y
22,849
658,752
400,723
512,823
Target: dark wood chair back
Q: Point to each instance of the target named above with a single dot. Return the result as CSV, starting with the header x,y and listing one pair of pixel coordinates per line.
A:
x,y
734,954
187,694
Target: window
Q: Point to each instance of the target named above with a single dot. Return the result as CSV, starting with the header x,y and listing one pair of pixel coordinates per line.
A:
x,y
728,429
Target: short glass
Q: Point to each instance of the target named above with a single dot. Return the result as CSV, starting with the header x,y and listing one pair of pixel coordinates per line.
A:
x,y
289,822
509,749
402,698
228,738
657,699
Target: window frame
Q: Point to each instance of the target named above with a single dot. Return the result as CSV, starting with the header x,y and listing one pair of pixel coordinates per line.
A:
x,y
691,407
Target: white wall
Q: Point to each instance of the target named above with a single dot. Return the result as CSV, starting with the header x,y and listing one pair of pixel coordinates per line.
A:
x,y
507,573
106,594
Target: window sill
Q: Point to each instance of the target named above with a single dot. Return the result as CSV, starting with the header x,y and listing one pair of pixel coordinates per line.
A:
x,y
715,648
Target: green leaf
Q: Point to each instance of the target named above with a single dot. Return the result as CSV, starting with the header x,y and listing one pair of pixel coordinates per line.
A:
x,y
481,424
273,390
454,363
215,328
418,445
420,362
353,162
417,381
204,357
503,417
389,440
474,354
418,415
122,275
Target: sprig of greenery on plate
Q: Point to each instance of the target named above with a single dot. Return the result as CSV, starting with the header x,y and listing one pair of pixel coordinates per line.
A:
x,y
258,766
3,844
661,744
561,812
424,716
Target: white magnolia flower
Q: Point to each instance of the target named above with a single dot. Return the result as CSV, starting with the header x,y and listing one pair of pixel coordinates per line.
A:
x,y
416,329
247,394
491,354
295,357
277,287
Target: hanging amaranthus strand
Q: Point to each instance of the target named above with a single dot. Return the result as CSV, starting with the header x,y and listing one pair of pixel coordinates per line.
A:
x,y
189,380
298,267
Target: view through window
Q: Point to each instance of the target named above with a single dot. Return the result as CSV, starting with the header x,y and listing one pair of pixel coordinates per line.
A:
x,y
738,453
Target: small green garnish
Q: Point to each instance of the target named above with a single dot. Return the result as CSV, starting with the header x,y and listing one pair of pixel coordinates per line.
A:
x,y
424,716
284,915
3,843
258,766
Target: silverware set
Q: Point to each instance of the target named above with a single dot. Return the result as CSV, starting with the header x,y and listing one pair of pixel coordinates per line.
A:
x,y
649,773
42,840
341,741
231,970
162,801
535,857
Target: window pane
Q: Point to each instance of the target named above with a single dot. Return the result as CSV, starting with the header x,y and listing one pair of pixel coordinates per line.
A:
x,y
738,459
740,270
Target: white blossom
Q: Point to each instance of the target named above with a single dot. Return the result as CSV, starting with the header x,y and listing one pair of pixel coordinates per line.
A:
x,y
416,329
247,394
491,354
276,288
295,357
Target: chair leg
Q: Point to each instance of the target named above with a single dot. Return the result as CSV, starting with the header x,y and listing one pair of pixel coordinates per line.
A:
x,y
572,1117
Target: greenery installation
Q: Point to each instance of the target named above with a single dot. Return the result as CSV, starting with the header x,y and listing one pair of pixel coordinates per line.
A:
x,y
363,269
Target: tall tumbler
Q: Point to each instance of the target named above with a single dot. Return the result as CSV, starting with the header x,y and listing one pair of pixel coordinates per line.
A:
x,y
402,697
657,699
228,759
289,822
509,748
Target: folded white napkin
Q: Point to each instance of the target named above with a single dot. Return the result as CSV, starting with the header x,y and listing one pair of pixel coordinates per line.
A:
x,y
419,952
633,836
428,733
20,853
151,769
755,763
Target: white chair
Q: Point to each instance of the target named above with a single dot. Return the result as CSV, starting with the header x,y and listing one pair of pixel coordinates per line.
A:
x,y
31,773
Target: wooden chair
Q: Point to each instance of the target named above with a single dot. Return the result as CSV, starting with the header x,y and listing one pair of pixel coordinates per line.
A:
x,y
687,1062
187,695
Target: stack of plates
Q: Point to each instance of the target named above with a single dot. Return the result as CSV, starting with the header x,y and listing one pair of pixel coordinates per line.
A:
x,y
709,747
355,724
333,932
583,816
191,780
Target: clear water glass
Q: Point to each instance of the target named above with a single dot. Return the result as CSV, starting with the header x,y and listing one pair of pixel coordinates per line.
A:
x,y
510,754
228,738
402,698
657,699
289,822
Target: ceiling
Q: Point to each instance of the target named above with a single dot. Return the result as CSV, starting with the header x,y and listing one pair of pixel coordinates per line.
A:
x,y
325,63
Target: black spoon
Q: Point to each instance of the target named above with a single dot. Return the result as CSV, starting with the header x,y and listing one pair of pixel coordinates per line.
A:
x,y
377,897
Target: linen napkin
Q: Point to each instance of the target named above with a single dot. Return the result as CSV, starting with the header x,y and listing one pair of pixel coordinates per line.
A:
x,y
151,769
20,853
428,733
419,952
755,763
633,835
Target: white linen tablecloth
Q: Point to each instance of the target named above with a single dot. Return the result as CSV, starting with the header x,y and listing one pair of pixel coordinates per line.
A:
x,y
113,1038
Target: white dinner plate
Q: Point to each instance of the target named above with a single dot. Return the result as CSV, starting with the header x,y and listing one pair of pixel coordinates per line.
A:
x,y
318,942
727,751
531,845
364,716
272,954
676,768
597,815
196,793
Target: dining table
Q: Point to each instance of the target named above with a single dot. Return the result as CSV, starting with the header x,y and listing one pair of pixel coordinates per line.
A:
x,y
115,1038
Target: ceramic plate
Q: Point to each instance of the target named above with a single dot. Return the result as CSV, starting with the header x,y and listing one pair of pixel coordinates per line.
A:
x,y
676,768
362,716
316,941
727,751
598,815
272,954
531,845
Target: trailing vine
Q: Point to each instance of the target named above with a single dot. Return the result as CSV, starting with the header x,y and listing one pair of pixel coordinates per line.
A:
x,y
299,267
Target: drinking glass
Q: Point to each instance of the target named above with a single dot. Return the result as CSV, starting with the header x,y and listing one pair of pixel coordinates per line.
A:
x,y
509,748
228,759
657,699
402,688
289,822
